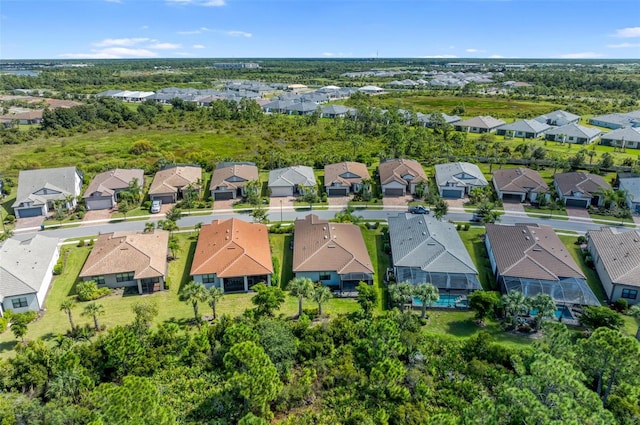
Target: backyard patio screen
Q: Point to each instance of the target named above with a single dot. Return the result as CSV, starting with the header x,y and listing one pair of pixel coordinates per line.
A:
x,y
452,281
564,291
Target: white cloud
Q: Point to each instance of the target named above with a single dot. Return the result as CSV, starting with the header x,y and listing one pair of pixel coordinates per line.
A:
x,y
239,34
112,53
496,57
474,51
581,55
336,55
206,3
198,31
623,45
164,46
631,32
438,56
120,42
197,46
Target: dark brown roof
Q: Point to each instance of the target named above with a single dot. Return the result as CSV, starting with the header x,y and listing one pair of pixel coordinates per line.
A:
x,y
323,246
519,180
531,251
578,182
233,248
395,169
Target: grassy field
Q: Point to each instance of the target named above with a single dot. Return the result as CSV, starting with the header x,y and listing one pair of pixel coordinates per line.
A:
x,y
374,240
592,277
472,240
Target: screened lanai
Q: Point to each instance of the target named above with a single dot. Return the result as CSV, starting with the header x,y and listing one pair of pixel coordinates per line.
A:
x,y
463,282
565,291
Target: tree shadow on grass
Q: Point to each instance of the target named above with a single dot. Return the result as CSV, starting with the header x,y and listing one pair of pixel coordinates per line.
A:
x,y
185,278
7,346
183,323
463,328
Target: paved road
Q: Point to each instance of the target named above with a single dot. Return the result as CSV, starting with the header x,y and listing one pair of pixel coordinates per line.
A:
x,y
275,215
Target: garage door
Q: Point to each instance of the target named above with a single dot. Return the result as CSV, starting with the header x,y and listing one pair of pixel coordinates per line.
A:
x,y
449,193
338,192
167,199
219,196
511,197
30,212
99,204
394,192
582,203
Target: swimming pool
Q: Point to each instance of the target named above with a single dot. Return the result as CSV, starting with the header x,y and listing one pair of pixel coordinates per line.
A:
x,y
445,300
561,311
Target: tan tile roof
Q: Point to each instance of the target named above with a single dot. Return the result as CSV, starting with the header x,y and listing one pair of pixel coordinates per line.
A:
x,y
28,115
333,173
113,180
222,174
170,179
619,252
585,183
323,246
519,180
394,169
531,251
144,254
233,248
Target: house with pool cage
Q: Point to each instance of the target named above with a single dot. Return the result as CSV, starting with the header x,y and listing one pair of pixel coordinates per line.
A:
x,y
530,258
427,250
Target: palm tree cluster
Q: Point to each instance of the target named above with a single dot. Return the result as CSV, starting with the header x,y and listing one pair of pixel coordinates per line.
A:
x,y
195,292
403,293
303,287
517,306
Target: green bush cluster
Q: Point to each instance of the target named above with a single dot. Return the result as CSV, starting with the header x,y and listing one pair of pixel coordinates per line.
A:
x,y
88,291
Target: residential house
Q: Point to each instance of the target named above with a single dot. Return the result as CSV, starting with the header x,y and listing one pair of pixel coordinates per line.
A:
x,y
616,256
291,181
333,254
519,183
23,118
526,129
172,183
344,178
400,177
102,193
456,179
277,106
425,249
230,179
631,186
233,255
558,118
336,111
573,133
531,259
617,120
482,124
426,119
627,137
303,108
26,269
39,190
371,89
128,259
578,189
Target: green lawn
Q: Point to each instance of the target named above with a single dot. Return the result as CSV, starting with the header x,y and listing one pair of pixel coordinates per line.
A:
x,y
374,240
472,240
615,220
592,277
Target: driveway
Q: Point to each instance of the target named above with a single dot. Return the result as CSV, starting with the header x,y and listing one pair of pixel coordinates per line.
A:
x,y
511,205
455,204
224,204
92,215
29,222
338,200
397,201
284,201
636,219
578,213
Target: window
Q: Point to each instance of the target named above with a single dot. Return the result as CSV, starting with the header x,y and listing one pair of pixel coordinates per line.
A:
x,y
150,280
325,276
631,294
208,278
124,277
19,302
99,280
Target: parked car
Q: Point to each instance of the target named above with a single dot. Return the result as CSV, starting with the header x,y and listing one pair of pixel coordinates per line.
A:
x,y
419,209
156,206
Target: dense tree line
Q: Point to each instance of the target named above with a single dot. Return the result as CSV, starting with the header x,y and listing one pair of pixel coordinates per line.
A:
x,y
353,369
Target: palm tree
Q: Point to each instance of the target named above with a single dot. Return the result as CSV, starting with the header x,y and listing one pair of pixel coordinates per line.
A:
x,y
427,293
174,247
301,287
321,294
149,227
94,310
135,189
215,295
400,293
546,307
634,311
514,305
194,292
440,209
66,306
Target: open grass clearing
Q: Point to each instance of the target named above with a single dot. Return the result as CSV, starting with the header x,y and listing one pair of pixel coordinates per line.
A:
x,y
592,277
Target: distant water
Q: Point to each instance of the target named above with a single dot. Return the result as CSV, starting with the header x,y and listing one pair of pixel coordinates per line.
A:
x,y
24,72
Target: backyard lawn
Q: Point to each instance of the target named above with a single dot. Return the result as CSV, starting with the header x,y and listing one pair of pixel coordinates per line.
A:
x,y
472,240
592,277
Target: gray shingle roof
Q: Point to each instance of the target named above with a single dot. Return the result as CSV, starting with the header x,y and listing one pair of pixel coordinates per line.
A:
x,y
526,126
632,186
446,173
619,252
575,130
432,245
557,115
487,122
300,175
630,134
59,179
578,182
24,265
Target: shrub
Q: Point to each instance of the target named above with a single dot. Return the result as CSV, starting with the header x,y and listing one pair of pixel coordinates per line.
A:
x,y
3,324
89,291
10,219
621,305
458,226
80,215
146,205
57,269
581,240
81,243
91,242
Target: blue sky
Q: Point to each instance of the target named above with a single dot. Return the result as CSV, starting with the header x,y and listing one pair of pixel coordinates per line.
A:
x,y
103,29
